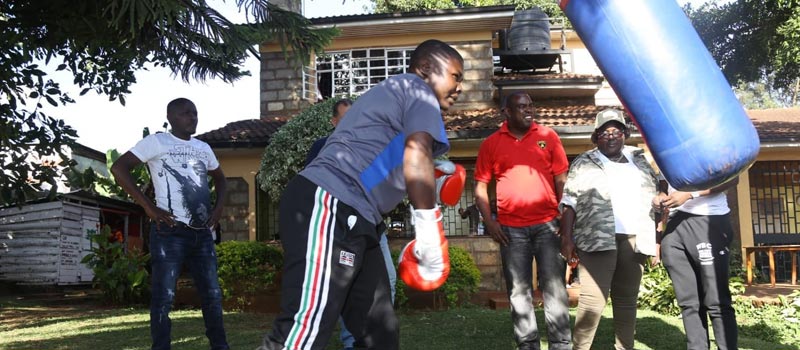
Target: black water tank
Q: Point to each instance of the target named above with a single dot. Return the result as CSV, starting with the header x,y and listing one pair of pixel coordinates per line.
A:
x,y
530,31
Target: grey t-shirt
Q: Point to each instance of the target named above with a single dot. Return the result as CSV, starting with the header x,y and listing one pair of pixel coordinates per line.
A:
x,y
361,164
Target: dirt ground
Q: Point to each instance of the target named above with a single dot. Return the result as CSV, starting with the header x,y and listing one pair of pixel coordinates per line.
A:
x,y
50,303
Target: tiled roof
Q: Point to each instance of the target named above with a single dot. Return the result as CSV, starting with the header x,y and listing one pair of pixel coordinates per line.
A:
x,y
777,124
773,125
243,133
564,116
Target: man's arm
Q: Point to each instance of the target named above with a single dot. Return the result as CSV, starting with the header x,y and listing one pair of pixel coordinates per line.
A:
x,y
559,181
418,170
491,225
221,186
677,198
122,174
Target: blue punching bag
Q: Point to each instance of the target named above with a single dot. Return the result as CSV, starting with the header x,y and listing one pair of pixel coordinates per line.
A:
x,y
696,129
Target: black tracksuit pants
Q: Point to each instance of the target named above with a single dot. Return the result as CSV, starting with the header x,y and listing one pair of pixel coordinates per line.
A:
x,y
333,266
695,252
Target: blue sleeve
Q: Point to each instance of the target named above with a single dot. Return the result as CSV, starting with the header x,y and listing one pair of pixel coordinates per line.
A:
x,y
314,150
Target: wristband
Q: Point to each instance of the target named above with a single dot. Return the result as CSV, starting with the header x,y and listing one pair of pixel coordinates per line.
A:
x,y
694,194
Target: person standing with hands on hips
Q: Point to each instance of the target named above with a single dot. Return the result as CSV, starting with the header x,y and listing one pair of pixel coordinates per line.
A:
x,y
182,218
530,166
382,150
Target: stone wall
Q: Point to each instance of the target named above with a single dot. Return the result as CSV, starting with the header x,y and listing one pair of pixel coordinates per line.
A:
x,y
281,86
234,224
484,251
478,88
282,83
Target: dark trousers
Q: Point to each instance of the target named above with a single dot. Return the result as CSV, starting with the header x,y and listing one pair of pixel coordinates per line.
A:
x,y
170,248
696,254
525,244
333,266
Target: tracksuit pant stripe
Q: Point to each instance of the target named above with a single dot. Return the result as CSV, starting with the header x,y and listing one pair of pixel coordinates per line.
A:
x,y
316,282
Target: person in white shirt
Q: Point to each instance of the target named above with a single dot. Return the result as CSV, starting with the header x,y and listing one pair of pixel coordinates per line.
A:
x,y
182,218
695,252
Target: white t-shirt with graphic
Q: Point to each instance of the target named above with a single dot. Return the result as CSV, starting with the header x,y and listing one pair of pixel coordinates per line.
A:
x,y
179,170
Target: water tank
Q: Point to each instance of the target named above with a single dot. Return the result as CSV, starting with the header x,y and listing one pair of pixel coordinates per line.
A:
x,y
530,31
526,45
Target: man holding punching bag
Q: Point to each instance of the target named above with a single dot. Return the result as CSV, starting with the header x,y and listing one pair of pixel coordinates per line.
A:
x,y
695,251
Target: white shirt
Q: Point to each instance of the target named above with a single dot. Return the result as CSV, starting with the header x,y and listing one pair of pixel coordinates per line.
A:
x,y
179,170
625,202
711,204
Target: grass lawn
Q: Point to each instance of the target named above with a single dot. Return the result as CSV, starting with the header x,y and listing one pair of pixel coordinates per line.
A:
x,y
45,325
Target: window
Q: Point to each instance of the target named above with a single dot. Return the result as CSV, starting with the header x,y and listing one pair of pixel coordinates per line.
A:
x,y
353,72
774,196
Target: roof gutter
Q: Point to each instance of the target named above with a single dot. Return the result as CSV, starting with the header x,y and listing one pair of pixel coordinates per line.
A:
x,y
413,20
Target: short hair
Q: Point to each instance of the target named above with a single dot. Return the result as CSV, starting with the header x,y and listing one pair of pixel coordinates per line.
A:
x,y
341,102
174,104
507,98
429,49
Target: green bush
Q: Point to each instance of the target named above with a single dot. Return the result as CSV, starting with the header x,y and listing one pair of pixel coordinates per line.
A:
x,y
462,283
247,267
770,322
400,297
464,279
286,153
656,292
120,275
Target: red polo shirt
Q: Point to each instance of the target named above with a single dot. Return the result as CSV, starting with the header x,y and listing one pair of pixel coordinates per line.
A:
x,y
524,171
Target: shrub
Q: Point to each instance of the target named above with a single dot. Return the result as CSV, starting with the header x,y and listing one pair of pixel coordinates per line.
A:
x,y
656,292
400,297
464,279
286,153
120,275
461,285
247,267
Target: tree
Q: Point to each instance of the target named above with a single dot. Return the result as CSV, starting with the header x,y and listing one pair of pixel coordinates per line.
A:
x,y
102,43
549,7
753,40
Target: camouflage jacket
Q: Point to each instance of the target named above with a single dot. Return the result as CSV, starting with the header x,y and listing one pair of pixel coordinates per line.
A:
x,y
587,192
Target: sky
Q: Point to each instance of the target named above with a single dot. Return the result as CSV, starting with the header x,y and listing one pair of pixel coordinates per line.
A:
x,y
103,124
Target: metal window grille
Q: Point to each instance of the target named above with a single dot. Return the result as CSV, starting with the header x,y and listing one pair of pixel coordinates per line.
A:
x,y
353,72
310,90
267,213
266,216
774,197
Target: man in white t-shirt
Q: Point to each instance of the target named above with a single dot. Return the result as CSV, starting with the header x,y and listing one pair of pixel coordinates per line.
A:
x,y
181,218
695,251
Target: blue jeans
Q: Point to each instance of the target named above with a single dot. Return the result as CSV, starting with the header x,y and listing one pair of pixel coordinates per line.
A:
x,y
170,248
345,335
525,244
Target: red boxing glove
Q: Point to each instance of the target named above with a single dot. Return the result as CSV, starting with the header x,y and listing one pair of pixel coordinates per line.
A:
x,y
424,263
450,179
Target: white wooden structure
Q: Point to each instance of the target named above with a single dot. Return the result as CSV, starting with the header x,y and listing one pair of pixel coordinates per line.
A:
x,y
44,243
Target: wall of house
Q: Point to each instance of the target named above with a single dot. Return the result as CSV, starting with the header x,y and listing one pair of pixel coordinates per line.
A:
x,y
235,223
282,83
240,167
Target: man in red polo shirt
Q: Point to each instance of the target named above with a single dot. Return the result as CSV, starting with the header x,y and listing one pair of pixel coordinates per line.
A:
x,y
530,167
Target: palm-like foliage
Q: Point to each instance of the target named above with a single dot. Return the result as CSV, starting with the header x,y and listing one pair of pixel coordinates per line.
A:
x,y
102,43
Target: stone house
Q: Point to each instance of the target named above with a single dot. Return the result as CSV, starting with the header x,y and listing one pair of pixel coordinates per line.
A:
x,y
568,92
